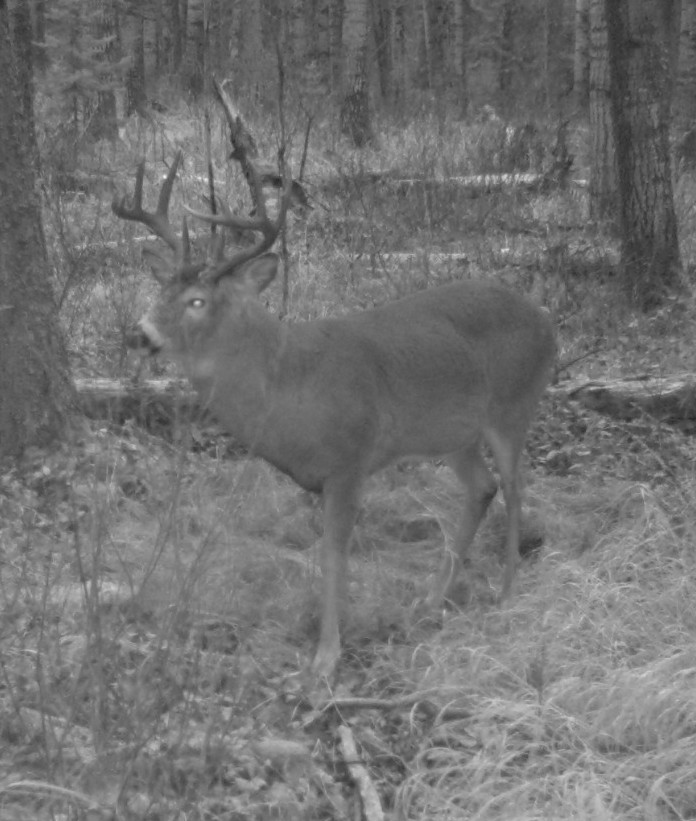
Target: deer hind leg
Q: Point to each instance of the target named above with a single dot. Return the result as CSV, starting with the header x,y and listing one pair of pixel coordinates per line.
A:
x,y
479,489
506,453
340,509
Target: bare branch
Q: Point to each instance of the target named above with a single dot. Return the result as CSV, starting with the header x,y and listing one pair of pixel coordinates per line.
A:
x,y
242,143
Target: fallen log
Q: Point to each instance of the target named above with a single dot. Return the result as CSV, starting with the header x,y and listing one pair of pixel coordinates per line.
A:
x,y
149,401
671,399
160,404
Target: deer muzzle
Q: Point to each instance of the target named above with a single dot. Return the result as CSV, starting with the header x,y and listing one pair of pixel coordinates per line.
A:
x,y
144,338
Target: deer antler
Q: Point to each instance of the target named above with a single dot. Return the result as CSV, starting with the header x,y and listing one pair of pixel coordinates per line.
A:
x,y
157,221
261,222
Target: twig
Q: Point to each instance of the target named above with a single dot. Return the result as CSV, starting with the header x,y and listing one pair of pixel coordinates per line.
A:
x,y
209,160
283,171
564,366
44,788
422,698
372,806
305,146
419,700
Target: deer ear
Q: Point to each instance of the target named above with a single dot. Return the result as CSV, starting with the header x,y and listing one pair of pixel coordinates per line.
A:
x,y
260,272
160,266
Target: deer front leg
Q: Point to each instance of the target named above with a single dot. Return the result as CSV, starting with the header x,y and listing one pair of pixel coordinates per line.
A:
x,y
340,508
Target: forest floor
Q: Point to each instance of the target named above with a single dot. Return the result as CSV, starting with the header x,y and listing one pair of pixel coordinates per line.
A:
x,y
158,601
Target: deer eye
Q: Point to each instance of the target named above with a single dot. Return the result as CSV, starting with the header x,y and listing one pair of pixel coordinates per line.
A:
x,y
196,302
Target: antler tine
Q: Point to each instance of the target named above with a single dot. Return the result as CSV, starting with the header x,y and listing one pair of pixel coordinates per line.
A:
x,y
157,221
185,243
227,219
261,222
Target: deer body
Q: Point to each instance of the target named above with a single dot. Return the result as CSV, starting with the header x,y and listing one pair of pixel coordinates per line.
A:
x,y
417,377
330,401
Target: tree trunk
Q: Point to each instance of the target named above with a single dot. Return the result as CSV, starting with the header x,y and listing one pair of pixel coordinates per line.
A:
x,y
135,80
603,184
685,93
194,52
296,37
35,389
103,123
355,106
641,41
382,23
554,63
249,80
581,66
40,61
460,36
437,28
177,34
405,38
507,62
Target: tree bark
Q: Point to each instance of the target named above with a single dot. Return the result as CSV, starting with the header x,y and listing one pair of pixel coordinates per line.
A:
x,y
685,93
460,43
437,29
506,65
194,51
382,26
554,63
603,181
103,123
177,34
249,82
135,80
581,67
40,61
641,41
35,390
355,107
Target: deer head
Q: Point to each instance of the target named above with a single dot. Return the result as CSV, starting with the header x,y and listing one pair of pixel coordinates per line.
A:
x,y
187,312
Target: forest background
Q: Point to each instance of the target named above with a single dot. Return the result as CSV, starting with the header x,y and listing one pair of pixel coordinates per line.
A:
x,y
157,587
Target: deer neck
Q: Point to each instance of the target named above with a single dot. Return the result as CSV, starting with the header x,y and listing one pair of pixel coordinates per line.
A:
x,y
236,372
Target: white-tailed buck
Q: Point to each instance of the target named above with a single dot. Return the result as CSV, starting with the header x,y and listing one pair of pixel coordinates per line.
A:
x,y
328,402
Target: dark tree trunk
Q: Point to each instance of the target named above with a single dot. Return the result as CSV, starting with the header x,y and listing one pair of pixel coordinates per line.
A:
x,y
35,389
437,29
40,61
135,80
461,30
641,40
194,53
581,67
603,183
685,93
21,32
382,22
506,66
355,117
104,123
555,62
177,35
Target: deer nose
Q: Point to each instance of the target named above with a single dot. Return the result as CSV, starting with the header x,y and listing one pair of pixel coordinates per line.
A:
x,y
138,339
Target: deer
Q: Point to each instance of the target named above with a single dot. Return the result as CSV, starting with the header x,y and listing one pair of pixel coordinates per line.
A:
x,y
441,373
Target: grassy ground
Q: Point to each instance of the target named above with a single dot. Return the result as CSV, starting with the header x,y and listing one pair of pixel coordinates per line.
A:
x,y
159,601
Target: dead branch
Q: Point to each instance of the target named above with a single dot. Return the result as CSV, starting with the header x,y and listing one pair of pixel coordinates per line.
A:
x,y
372,806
